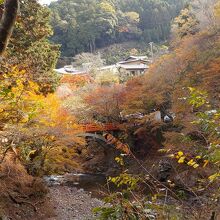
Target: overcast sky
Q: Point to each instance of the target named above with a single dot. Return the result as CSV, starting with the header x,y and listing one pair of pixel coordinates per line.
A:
x,y
45,1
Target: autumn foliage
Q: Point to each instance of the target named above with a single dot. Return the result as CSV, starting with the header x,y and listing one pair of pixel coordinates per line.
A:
x,y
75,81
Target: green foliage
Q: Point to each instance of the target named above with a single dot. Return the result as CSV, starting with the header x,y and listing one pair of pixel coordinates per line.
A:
x,y
122,207
107,213
82,26
78,25
207,121
197,98
125,179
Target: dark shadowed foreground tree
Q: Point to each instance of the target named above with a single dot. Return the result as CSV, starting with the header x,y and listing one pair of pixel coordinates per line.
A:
x,y
10,12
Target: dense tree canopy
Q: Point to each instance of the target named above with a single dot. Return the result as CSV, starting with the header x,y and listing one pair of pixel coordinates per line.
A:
x,y
29,46
86,25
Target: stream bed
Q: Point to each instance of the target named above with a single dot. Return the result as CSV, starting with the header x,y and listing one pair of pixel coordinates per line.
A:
x,y
74,195
94,184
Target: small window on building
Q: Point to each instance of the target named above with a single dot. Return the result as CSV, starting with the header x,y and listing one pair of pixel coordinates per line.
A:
x,y
133,72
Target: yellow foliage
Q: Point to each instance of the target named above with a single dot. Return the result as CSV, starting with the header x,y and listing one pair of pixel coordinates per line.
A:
x,y
106,7
44,127
214,177
205,163
50,110
120,161
217,9
191,162
19,97
59,160
125,179
134,16
179,154
181,159
107,77
54,115
195,165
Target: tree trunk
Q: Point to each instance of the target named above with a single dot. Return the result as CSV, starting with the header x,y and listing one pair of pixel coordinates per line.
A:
x,y
90,46
8,19
94,46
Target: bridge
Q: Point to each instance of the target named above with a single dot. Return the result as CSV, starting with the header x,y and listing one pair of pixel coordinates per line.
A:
x,y
92,127
133,118
108,139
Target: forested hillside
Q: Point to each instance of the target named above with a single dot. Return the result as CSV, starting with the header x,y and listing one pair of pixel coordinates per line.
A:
x,y
84,26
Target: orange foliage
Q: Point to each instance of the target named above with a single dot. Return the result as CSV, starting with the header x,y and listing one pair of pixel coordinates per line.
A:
x,y
194,61
105,102
75,81
56,119
118,144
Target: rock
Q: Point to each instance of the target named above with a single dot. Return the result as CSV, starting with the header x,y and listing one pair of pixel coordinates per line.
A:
x,y
164,170
167,119
54,180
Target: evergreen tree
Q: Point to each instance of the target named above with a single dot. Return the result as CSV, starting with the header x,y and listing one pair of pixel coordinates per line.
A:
x,y
83,26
